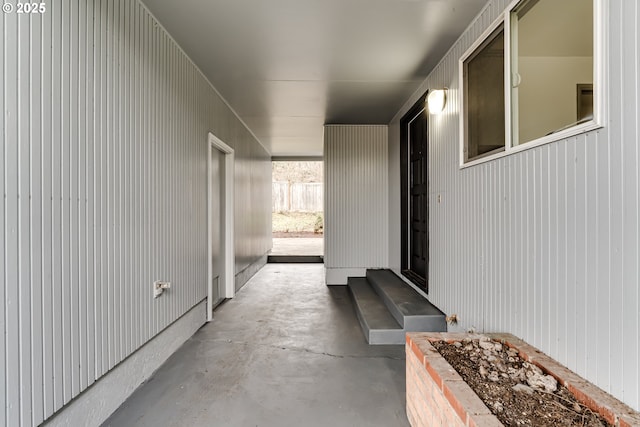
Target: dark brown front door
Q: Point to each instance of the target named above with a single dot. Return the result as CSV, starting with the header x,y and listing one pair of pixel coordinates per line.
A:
x,y
415,212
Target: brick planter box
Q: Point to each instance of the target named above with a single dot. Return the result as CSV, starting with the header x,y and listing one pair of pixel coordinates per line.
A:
x,y
438,396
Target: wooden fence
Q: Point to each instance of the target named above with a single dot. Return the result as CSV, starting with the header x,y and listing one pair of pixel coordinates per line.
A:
x,y
297,196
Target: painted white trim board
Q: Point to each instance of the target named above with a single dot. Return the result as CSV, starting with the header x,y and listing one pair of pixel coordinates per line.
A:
x,y
228,269
339,276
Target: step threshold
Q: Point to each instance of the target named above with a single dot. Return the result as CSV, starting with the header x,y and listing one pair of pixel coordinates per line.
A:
x,y
295,259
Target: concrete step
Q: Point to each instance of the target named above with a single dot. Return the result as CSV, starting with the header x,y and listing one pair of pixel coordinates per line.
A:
x,y
295,259
377,323
410,309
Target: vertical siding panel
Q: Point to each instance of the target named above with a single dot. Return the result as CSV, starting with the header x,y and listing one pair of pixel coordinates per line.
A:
x,y
111,184
132,182
154,146
137,89
544,250
160,182
617,238
486,249
135,195
499,226
355,172
120,333
93,186
56,208
35,161
505,315
635,346
107,183
523,257
602,298
23,226
625,380
141,82
11,238
571,278
11,223
89,244
46,243
136,227
74,224
122,191
529,233
126,183
495,242
589,316
148,165
555,326
581,230
535,232
559,204
566,250
115,193
492,249
66,284
96,188
619,108
106,145
157,152
119,226
81,240
167,193
152,153
631,321
489,247
509,286
163,180
3,206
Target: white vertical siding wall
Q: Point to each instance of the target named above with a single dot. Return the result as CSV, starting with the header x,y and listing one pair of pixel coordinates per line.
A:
x,y
545,243
103,173
356,199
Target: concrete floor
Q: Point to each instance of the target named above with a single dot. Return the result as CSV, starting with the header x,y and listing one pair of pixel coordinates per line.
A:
x,y
287,351
297,246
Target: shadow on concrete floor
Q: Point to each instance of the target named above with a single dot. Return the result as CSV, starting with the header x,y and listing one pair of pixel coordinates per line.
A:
x,y
286,351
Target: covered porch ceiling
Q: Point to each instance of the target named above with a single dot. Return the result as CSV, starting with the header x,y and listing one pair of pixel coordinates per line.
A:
x,y
288,67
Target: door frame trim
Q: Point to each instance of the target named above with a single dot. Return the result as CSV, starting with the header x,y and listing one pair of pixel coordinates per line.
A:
x,y
417,109
228,265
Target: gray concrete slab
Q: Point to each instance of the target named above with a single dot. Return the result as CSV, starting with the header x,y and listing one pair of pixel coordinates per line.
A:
x,y
410,309
298,246
287,351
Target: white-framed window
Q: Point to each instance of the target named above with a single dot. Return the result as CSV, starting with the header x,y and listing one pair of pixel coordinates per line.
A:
x,y
534,76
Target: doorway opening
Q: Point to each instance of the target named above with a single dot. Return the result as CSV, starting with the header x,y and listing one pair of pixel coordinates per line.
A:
x,y
297,211
414,194
220,239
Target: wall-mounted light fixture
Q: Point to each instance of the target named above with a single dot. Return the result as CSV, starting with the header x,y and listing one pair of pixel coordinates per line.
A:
x,y
436,100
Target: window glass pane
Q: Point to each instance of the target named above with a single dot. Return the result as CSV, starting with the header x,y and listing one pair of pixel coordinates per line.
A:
x,y
484,98
552,67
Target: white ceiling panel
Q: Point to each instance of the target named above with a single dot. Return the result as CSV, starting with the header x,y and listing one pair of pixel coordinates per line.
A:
x,y
287,67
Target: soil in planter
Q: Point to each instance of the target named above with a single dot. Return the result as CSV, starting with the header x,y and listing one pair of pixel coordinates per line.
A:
x,y
516,391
